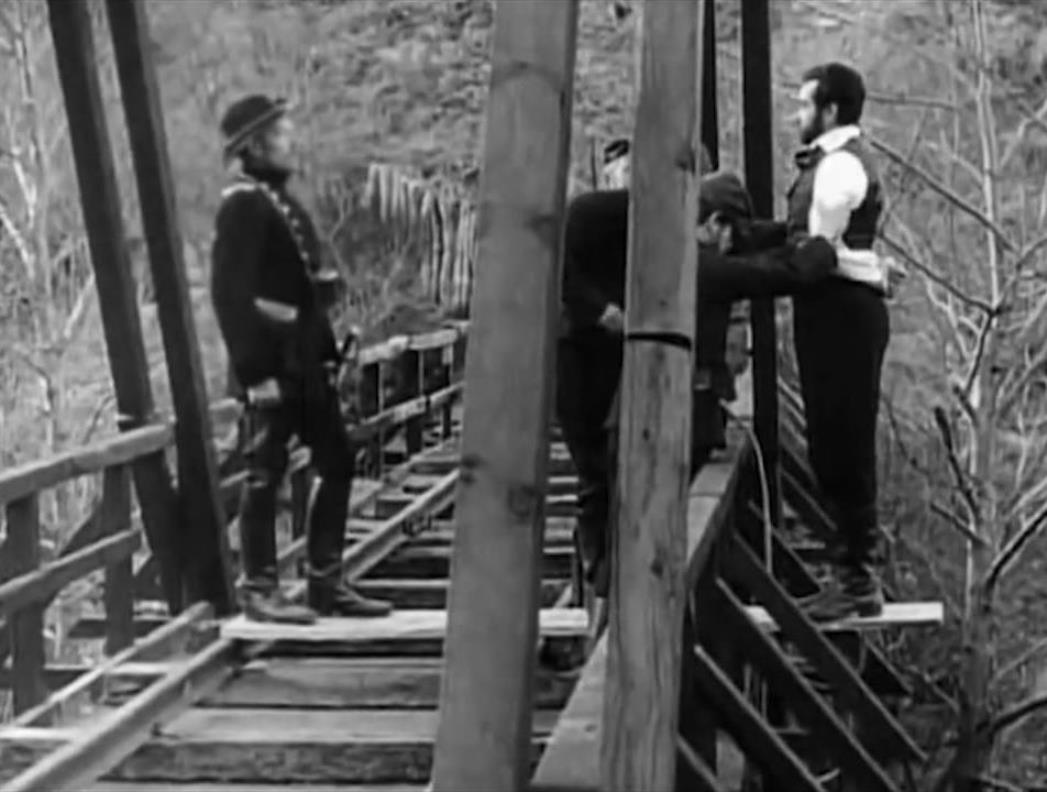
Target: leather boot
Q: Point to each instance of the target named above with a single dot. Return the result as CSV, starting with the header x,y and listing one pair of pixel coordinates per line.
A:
x,y
330,596
273,606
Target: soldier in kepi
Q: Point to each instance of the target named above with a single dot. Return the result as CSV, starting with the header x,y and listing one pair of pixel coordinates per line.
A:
x,y
267,288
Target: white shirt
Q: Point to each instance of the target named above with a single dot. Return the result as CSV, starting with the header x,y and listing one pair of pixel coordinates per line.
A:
x,y
840,186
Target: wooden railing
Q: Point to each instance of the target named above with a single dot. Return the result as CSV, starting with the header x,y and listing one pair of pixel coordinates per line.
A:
x,y
427,382
750,656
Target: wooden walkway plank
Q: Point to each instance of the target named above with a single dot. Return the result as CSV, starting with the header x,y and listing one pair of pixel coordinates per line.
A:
x,y
746,726
399,625
852,691
787,682
895,614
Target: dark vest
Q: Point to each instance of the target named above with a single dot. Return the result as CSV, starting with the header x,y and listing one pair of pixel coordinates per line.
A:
x,y
861,231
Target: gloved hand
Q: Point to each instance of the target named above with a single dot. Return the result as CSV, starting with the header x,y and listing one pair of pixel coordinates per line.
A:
x,y
813,258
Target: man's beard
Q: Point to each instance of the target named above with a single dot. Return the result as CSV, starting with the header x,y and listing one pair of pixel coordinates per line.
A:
x,y
812,131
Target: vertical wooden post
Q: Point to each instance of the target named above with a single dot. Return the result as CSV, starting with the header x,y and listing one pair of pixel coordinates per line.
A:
x,y
641,704
100,200
26,625
759,178
483,742
201,509
412,386
119,577
710,110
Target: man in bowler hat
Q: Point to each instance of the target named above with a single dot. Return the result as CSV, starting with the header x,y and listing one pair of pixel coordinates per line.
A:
x,y
268,289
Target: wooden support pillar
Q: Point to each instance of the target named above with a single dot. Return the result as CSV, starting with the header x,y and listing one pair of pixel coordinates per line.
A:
x,y
759,178
710,110
483,742
206,565
100,199
649,544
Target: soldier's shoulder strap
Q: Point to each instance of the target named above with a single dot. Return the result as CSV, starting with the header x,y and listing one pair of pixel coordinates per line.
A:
x,y
240,186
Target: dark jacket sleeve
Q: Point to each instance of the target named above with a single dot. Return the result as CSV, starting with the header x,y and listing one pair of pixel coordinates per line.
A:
x,y
585,246
779,272
238,251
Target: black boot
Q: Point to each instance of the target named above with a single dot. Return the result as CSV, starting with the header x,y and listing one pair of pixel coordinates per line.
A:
x,y
329,596
262,598
857,594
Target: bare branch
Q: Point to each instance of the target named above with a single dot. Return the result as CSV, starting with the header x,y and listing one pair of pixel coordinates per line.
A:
x,y
931,275
949,195
956,522
1011,550
942,423
1014,714
1019,661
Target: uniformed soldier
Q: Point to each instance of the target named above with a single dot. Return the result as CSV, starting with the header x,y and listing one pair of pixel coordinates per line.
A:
x,y
267,286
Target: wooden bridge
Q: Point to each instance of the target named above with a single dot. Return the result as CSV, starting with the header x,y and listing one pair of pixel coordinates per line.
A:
x,y
708,678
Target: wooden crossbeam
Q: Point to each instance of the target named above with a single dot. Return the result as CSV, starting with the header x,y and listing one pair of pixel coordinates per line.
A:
x,y
895,614
399,625
742,566
757,740
788,683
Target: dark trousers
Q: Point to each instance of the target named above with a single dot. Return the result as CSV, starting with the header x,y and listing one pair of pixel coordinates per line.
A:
x,y
266,431
841,330
587,377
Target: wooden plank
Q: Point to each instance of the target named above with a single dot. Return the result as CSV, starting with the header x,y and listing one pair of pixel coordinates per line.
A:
x,y
435,562
291,746
77,60
119,595
203,786
351,683
163,641
398,625
482,741
743,567
417,594
17,482
85,754
26,626
638,748
207,566
756,739
758,143
787,682
48,579
895,614
572,759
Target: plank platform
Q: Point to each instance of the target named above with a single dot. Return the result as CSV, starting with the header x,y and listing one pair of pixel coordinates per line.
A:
x,y
405,625
895,614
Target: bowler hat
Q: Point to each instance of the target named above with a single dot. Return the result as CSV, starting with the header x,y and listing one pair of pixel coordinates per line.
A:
x,y
245,117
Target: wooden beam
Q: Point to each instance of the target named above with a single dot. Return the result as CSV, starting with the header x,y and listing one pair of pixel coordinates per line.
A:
x,y
710,111
483,740
26,627
649,542
768,658
77,61
758,133
895,614
205,561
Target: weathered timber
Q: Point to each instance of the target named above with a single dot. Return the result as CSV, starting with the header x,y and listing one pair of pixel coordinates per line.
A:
x,y
26,626
166,640
758,143
77,63
772,663
205,560
295,746
649,541
355,683
84,754
423,593
895,614
17,482
484,733
119,595
435,562
892,740
48,579
400,625
746,726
